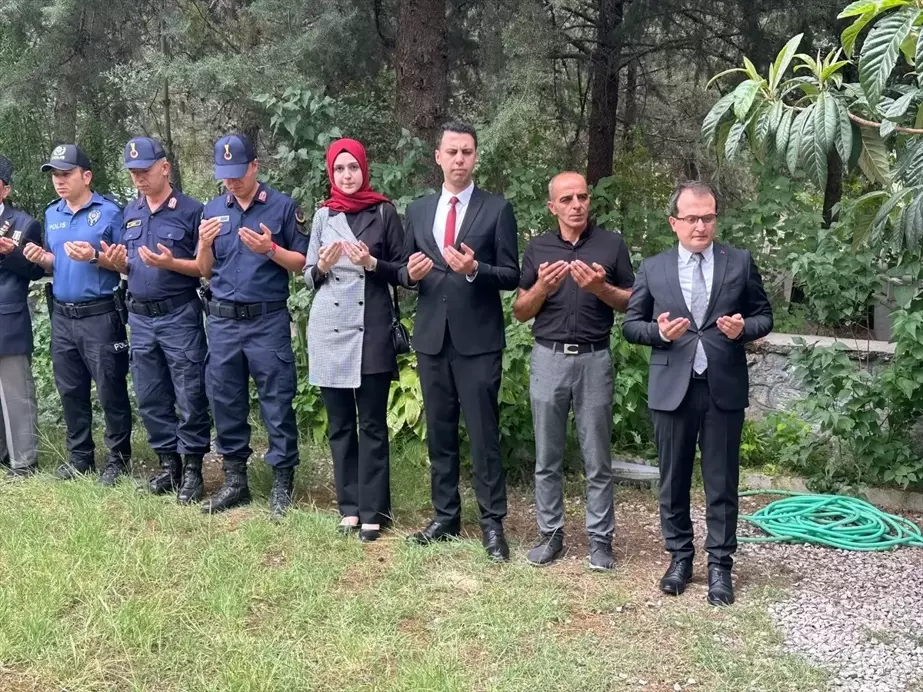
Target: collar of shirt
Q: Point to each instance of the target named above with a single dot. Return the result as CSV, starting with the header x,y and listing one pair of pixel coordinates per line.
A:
x,y
262,194
2,208
173,200
95,198
463,197
685,256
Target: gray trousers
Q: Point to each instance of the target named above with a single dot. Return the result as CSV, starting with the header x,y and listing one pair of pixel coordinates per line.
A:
x,y
557,380
18,412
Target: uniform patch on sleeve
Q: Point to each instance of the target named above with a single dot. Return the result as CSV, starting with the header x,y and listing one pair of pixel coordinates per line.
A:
x,y
93,217
300,221
133,224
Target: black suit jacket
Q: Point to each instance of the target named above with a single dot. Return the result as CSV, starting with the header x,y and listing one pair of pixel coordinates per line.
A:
x,y
736,288
471,310
15,274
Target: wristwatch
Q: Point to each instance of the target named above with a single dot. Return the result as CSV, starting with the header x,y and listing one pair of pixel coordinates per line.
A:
x,y
271,251
95,258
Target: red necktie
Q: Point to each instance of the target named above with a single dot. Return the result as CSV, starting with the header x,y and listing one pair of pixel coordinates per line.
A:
x,y
450,224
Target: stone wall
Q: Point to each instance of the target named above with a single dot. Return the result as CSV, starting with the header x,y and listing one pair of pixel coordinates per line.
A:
x,y
772,382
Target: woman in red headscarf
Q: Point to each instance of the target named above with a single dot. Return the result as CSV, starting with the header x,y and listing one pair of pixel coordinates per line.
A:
x,y
354,255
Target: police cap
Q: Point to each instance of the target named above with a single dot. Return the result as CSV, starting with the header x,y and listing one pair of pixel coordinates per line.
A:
x,y
65,157
143,152
233,154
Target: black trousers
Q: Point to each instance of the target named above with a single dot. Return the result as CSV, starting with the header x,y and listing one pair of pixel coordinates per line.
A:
x,y
699,421
86,351
452,383
361,459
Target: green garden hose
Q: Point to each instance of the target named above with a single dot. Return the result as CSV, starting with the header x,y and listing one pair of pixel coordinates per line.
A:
x,y
835,521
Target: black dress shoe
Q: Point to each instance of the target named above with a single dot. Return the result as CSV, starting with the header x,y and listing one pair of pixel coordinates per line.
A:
x,y
435,531
68,471
677,576
601,555
494,543
720,587
549,549
369,535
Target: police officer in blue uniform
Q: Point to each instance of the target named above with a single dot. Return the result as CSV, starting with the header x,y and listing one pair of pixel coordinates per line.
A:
x,y
88,341
18,409
249,240
168,348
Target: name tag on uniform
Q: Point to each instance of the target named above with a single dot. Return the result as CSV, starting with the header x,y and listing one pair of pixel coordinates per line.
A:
x,y
223,219
133,224
57,226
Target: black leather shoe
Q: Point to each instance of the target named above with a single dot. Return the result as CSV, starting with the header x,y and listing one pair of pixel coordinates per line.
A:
x,y
369,535
24,472
549,549
434,531
494,543
68,472
192,487
601,555
280,497
115,468
677,576
720,587
234,492
170,475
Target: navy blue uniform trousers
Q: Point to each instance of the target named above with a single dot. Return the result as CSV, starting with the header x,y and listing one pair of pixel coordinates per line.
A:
x,y
85,351
260,348
168,372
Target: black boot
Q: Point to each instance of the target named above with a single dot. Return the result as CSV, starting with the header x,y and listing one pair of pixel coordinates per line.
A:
x,y
280,497
72,470
116,467
234,492
170,475
193,487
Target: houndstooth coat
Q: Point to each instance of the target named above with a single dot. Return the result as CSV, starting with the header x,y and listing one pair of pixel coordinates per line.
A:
x,y
349,327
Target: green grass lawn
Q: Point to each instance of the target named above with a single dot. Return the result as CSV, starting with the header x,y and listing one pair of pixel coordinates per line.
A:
x,y
117,590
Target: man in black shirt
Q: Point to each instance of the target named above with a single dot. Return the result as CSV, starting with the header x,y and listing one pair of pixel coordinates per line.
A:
x,y
572,281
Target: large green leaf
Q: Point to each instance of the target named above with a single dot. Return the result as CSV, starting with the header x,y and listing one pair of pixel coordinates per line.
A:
x,y
873,161
881,49
910,165
862,214
851,33
875,6
843,140
793,156
884,214
911,237
744,95
735,136
783,131
715,116
897,108
783,60
814,141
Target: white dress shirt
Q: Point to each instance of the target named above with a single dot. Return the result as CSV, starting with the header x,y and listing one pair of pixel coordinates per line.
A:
x,y
2,207
442,212
686,266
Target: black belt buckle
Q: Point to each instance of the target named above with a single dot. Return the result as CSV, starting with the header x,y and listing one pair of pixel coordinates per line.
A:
x,y
70,310
153,310
571,349
243,312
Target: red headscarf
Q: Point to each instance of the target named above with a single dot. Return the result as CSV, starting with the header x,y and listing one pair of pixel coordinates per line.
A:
x,y
365,196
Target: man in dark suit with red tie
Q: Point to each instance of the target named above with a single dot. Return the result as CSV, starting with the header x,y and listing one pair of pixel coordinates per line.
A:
x,y
697,305
461,250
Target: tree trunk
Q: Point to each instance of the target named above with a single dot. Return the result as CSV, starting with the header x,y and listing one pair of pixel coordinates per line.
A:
x,y
604,100
176,178
833,191
422,67
630,111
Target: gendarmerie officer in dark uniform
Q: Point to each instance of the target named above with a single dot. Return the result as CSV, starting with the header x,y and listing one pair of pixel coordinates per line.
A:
x,y
88,340
249,240
18,409
168,345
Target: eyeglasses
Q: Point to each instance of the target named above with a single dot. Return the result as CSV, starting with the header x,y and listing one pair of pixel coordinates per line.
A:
x,y
692,220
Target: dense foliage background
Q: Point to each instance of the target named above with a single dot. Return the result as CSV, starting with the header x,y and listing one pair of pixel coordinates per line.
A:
x,y
616,88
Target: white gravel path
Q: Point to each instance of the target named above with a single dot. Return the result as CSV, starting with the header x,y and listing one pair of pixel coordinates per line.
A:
x,y
857,615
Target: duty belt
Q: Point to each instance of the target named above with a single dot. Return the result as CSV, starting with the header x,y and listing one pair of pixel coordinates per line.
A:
x,y
243,311
157,308
78,311
573,349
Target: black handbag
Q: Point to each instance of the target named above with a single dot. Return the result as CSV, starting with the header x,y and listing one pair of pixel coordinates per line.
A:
x,y
399,336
